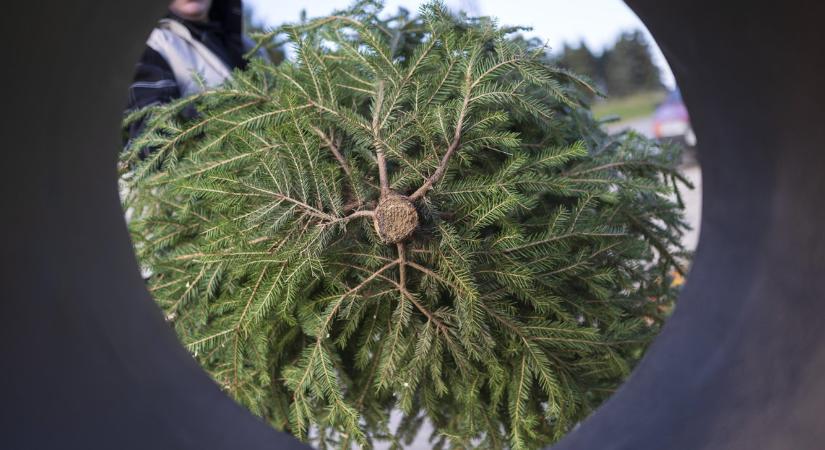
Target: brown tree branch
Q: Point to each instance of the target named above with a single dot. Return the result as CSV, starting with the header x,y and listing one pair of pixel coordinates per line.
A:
x,y
366,281
442,166
356,214
380,158
402,264
440,325
334,148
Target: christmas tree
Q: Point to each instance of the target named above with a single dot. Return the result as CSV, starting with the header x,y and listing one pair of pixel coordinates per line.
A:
x,y
413,214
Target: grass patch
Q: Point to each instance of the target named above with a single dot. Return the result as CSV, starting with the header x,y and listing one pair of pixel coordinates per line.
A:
x,y
637,105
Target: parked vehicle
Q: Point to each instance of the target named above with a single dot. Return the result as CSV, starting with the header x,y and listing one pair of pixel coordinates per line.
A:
x,y
672,122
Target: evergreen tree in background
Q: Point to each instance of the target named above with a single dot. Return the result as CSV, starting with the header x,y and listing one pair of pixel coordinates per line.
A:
x,y
629,68
624,69
415,214
581,60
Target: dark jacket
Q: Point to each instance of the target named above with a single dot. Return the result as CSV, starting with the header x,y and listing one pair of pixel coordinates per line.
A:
x,y
155,82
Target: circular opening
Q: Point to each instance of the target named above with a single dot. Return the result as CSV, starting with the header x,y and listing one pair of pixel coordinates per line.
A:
x,y
535,245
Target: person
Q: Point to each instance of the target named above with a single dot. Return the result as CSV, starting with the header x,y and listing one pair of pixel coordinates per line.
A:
x,y
196,45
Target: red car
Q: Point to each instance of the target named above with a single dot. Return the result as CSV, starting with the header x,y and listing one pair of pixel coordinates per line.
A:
x,y
672,122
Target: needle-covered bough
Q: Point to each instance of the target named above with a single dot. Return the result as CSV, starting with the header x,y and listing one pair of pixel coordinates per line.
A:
x,y
411,214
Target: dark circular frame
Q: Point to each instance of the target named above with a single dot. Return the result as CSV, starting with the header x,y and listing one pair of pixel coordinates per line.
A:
x,y
88,362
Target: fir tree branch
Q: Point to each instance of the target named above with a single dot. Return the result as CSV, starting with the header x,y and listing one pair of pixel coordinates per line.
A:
x,y
427,313
308,209
442,327
402,263
194,344
190,256
517,409
247,121
581,262
373,276
336,151
314,212
183,134
238,327
661,167
191,285
210,166
431,273
493,69
156,287
560,237
371,375
456,142
379,149
443,80
662,248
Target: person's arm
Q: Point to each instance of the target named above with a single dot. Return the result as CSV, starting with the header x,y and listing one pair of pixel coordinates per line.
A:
x,y
154,83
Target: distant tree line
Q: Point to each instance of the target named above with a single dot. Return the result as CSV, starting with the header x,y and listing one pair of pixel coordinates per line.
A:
x,y
624,69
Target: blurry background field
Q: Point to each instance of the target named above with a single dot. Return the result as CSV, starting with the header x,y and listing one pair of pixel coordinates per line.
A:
x,y
627,108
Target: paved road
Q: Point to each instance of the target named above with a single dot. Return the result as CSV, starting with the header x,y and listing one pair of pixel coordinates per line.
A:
x,y
693,204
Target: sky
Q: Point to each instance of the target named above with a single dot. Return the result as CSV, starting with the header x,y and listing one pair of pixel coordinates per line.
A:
x,y
596,22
